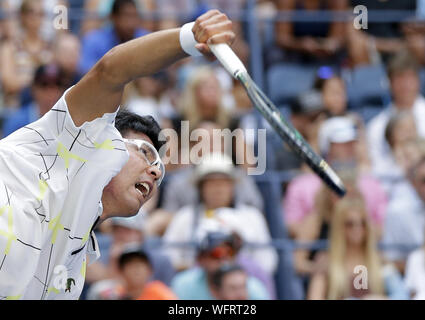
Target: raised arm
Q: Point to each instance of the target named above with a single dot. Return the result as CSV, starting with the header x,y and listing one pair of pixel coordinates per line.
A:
x,y
101,88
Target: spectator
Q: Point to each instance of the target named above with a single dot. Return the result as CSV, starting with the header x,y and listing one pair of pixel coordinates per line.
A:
x,y
333,90
124,232
402,137
202,99
125,26
415,274
20,56
316,225
135,270
353,245
158,16
149,96
180,190
47,29
48,86
230,283
214,251
381,39
215,180
66,52
338,138
404,80
313,41
405,218
334,95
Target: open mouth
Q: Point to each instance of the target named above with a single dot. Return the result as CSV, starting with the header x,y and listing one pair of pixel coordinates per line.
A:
x,y
144,188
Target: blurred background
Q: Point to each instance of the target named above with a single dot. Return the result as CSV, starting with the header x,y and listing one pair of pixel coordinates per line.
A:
x,y
351,81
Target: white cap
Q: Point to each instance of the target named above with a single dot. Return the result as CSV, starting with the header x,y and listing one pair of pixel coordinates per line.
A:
x,y
215,162
336,130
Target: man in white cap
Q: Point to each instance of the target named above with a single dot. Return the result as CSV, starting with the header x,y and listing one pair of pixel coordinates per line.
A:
x,y
215,179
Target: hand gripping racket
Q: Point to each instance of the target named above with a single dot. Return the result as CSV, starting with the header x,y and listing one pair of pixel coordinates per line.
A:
x,y
286,131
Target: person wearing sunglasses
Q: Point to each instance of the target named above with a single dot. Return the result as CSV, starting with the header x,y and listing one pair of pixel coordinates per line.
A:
x,y
215,250
81,163
404,229
353,247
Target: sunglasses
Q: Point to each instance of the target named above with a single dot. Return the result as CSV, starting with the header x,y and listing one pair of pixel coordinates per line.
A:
x,y
150,155
221,252
351,223
33,12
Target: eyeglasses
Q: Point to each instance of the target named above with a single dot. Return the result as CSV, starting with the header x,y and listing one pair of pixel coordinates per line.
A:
x,y
352,223
150,155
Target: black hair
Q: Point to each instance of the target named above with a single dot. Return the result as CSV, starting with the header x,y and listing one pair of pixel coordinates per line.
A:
x,y
225,269
119,4
126,257
126,121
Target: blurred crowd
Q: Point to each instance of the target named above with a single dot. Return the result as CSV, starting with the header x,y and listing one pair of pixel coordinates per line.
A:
x,y
356,95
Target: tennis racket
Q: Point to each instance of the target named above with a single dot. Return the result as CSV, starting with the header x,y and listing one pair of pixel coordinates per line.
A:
x,y
286,131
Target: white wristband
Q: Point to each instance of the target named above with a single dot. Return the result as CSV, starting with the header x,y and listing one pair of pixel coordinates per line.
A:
x,y
187,40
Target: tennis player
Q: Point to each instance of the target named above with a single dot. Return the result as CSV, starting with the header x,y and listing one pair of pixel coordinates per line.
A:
x,y
62,174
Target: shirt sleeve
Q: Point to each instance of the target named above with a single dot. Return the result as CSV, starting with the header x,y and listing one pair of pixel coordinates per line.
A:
x,y
256,290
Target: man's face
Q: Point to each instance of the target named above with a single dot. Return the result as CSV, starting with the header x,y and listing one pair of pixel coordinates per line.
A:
x,y
136,273
217,191
342,152
405,88
234,286
126,21
124,195
212,261
46,95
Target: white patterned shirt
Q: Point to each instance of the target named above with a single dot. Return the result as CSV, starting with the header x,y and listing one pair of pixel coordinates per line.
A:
x,y
52,176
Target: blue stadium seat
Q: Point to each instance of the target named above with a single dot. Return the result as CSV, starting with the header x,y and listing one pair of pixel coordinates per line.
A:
x,y
367,85
368,112
287,80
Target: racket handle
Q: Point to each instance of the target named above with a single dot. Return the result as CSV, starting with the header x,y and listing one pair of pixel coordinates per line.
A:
x,y
228,58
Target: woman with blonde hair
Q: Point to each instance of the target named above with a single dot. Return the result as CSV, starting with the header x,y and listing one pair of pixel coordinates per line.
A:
x,y
354,266
202,99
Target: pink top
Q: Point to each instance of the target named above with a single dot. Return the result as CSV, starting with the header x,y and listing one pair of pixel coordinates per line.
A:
x,y
299,198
